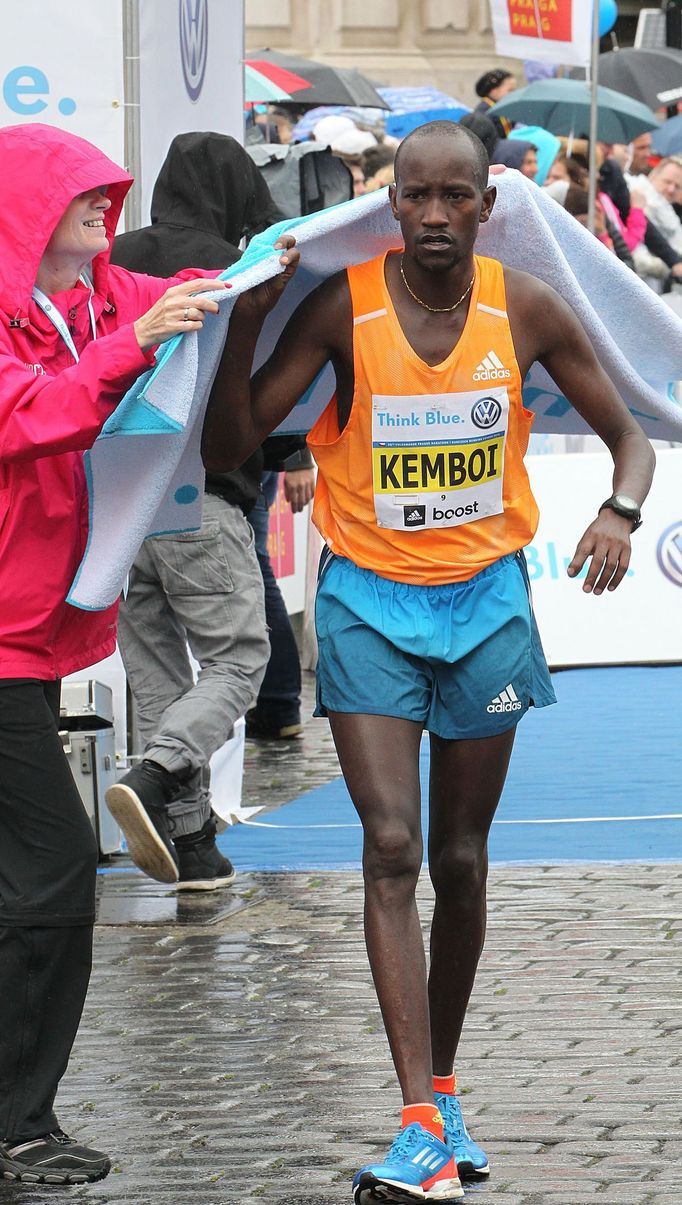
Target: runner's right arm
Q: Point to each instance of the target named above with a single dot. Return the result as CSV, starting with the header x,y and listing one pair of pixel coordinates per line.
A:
x,y
243,410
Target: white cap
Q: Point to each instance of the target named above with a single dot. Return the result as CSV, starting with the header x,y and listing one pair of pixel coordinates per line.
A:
x,y
328,128
353,142
558,190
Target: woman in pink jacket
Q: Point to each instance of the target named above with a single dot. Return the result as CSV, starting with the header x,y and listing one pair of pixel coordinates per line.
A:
x,y
75,333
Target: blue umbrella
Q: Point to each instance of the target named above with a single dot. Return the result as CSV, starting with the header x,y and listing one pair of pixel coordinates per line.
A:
x,y
562,106
667,140
411,107
412,99
308,120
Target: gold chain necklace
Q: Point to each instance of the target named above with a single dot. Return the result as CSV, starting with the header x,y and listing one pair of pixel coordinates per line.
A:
x,y
436,309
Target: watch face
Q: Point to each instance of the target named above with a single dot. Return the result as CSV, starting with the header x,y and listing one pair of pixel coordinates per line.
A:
x,y
626,503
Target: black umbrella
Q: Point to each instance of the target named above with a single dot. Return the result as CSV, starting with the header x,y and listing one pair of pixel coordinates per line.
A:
x,y
652,76
328,85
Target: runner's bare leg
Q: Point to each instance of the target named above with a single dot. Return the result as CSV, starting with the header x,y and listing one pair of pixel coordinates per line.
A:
x,y
379,758
466,782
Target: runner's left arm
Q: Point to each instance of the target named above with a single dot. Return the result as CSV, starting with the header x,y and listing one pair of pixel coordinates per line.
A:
x,y
546,329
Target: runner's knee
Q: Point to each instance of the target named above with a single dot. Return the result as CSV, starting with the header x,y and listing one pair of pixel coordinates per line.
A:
x,y
393,853
459,868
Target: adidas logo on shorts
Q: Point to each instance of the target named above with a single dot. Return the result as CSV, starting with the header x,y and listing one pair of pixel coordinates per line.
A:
x,y
507,700
491,368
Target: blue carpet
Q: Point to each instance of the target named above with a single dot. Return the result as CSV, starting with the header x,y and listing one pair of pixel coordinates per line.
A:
x,y
606,761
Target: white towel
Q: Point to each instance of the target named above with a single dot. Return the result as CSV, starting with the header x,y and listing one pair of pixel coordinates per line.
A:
x,y
144,471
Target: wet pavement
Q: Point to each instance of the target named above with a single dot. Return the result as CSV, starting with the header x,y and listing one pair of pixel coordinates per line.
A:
x,y
232,1052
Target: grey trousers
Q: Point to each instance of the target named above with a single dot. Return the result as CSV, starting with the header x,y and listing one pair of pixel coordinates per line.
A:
x,y
203,589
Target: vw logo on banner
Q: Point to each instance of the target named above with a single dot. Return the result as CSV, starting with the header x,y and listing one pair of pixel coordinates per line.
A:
x,y
669,553
486,412
193,43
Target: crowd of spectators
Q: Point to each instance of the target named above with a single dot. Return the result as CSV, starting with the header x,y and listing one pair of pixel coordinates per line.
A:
x,y
638,206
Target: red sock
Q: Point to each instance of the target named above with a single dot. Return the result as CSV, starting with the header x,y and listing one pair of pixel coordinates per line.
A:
x,y
427,1115
445,1083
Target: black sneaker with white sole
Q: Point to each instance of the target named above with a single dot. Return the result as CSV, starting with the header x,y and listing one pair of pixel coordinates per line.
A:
x,y
138,804
259,728
201,866
52,1159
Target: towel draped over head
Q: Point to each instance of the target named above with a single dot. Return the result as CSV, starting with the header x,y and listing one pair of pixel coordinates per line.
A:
x,y
149,448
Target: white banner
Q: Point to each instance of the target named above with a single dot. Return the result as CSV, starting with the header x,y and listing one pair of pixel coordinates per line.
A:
x,y
641,621
548,31
61,63
191,76
293,583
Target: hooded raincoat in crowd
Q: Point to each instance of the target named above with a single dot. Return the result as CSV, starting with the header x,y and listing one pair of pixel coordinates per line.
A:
x,y
208,196
52,408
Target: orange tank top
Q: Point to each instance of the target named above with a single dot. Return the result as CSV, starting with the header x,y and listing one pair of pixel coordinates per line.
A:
x,y
426,483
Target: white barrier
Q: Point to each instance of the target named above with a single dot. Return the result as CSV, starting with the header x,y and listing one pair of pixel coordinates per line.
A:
x,y
642,620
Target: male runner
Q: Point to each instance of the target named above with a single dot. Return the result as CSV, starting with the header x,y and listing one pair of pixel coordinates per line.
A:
x,y
423,612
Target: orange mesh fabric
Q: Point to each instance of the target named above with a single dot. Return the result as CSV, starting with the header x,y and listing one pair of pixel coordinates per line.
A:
x,y
356,475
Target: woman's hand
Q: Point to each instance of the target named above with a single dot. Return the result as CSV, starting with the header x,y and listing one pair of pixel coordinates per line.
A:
x,y
182,308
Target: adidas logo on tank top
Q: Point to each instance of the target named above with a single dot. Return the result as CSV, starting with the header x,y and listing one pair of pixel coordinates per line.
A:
x,y
491,368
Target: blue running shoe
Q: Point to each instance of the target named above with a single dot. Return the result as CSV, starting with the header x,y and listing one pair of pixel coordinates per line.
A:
x,y
418,1167
471,1161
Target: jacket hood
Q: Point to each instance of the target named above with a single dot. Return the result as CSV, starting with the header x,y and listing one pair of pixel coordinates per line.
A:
x,y
208,182
511,152
547,146
43,169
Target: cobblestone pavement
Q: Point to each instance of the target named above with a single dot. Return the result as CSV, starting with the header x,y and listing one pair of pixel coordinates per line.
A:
x,y
243,1061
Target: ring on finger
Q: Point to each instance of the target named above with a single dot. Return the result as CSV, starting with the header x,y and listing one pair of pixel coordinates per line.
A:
x,y
185,316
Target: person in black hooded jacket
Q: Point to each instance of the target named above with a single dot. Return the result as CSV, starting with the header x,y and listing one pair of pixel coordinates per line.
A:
x,y
202,588
208,193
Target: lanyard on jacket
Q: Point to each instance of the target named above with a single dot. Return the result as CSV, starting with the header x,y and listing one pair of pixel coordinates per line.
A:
x,y
57,320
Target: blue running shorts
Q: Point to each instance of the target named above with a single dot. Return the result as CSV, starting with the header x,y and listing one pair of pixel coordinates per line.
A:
x,y
464,659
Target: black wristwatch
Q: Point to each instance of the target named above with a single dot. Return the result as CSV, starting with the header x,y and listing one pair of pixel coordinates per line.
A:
x,y
627,507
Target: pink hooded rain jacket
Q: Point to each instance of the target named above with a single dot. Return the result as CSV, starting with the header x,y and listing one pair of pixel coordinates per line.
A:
x,y
52,408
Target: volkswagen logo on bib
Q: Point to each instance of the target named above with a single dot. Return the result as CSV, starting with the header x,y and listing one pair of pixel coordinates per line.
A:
x,y
669,553
486,412
193,43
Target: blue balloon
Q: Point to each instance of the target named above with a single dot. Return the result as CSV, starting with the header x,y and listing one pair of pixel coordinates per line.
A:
x,y
608,15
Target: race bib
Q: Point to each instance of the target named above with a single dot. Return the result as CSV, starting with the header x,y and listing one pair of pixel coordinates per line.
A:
x,y
438,461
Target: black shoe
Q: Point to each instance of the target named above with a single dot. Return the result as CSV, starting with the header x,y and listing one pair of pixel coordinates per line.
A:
x,y
263,730
138,804
201,865
52,1159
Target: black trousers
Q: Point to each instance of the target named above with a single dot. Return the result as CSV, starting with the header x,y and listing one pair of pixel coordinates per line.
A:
x,y
48,864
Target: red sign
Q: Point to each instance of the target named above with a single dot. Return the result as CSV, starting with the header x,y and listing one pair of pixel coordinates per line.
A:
x,y
541,19
281,534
